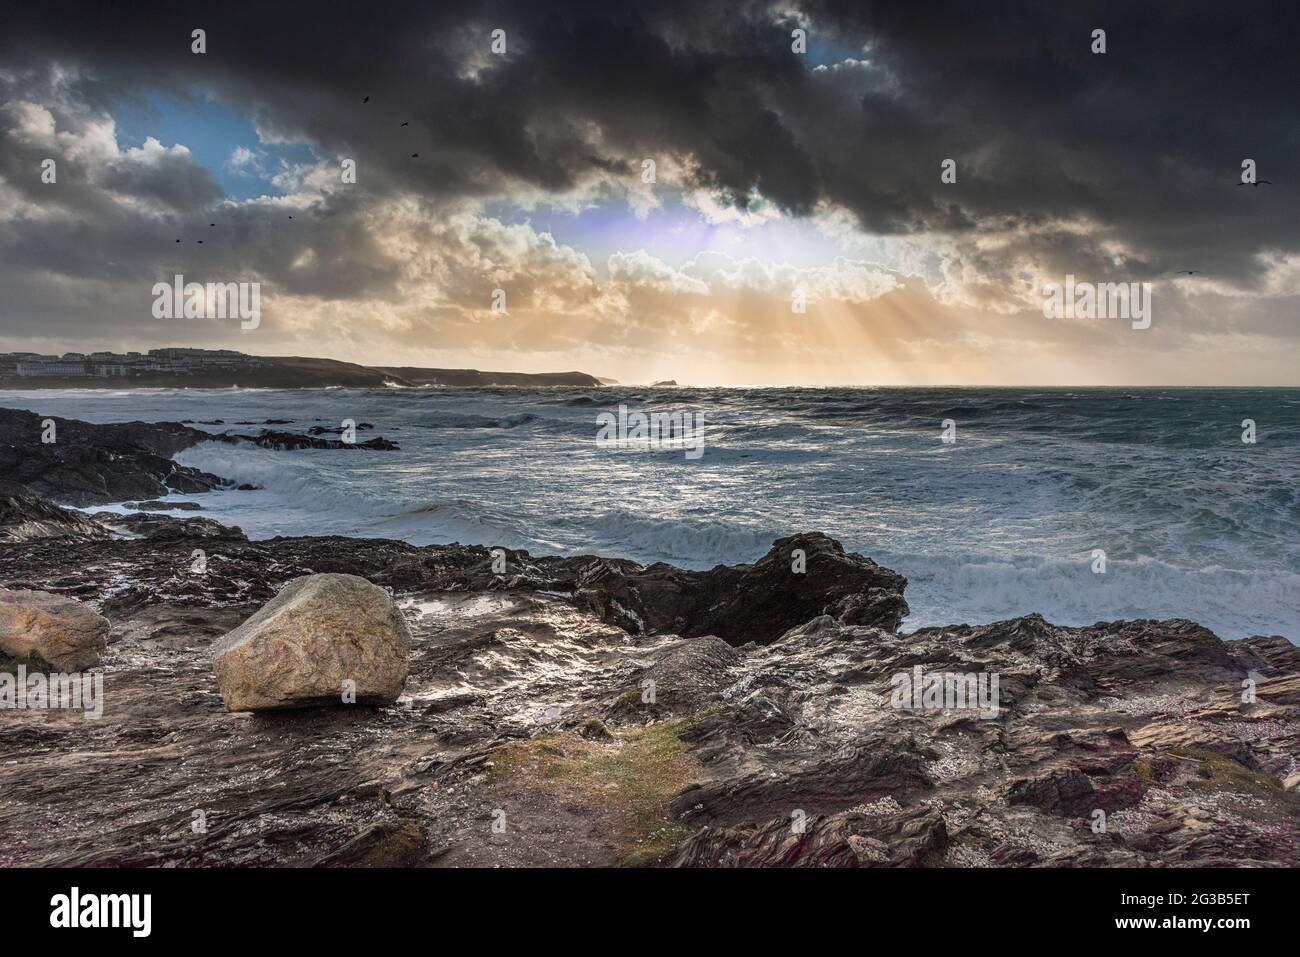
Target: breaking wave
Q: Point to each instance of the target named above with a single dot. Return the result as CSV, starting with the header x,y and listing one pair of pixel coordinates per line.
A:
x,y
1195,523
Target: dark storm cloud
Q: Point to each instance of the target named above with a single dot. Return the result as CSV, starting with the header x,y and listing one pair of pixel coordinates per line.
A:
x,y
172,180
1144,142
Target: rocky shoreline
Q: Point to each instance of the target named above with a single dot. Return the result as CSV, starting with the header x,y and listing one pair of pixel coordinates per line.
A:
x,y
586,711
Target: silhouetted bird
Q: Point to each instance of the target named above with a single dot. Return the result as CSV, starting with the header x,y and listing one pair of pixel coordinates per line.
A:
x,y
1189,272
178,240
200,242
291,217
406,124
365,100
212,224
415,156
1258,182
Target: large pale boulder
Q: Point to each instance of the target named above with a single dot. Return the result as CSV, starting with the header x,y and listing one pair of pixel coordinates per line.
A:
x,y
301,647
69,635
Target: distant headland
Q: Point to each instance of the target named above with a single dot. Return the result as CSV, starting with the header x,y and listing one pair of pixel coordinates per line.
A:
x,y
223,368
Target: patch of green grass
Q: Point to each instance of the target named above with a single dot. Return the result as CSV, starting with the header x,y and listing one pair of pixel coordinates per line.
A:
x,y
1222,773
1145,772
635,776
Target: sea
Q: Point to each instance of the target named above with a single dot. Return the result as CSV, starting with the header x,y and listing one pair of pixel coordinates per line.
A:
x,y
1084,505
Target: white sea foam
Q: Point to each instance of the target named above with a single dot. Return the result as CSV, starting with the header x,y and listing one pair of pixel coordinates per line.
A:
x,y
962,589
696,543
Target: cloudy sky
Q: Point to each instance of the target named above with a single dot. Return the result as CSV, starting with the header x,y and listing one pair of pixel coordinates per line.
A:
x,y
777,174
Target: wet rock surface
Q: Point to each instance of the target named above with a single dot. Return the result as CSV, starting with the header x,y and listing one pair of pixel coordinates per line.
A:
x,y
79,463
288,441
87,464
745,603
165,527
162,505
24,517
590,711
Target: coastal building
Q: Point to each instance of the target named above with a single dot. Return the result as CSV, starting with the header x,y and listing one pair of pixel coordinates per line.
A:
x,y
50,367
195,360
109,365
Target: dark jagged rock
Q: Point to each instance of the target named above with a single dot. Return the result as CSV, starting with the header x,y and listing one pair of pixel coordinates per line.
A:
x,y
1266,653
288,441
860,774
25,517
744,603
88,464
91,464
849,839
166,528
337,430
620,713
1070,793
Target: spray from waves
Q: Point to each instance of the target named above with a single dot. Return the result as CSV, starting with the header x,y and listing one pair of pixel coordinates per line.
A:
x,y
297,480
461,521
692,543
1234,603
468,421
291,484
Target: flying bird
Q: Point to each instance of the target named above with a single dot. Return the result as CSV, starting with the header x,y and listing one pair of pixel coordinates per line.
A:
x,y
415,156
365,99
1189,272
406,124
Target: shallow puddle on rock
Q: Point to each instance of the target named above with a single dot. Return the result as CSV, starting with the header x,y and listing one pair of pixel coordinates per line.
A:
x,y
456,605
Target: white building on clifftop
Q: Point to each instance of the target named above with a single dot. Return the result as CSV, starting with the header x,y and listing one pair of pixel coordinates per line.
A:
x,y
64,368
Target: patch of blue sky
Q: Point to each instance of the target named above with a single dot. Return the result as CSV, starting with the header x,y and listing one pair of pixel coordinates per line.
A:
x,y
824,47
211,132
824,50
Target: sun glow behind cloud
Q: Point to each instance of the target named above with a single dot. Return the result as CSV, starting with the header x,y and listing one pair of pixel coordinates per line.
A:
x,y
775,174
